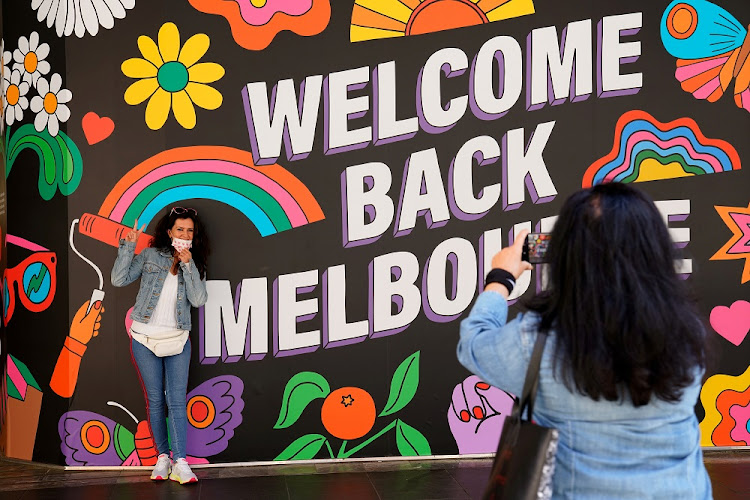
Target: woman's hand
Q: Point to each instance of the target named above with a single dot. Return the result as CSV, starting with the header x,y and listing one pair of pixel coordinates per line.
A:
x,y
134,233
185,256
509,258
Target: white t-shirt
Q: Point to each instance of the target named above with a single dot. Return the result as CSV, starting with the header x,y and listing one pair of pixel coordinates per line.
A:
x,y
164,317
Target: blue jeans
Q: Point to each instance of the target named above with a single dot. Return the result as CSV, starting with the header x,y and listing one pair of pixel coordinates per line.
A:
x,y
157,374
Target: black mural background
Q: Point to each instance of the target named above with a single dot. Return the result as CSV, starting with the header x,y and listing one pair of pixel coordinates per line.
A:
x,y
583,133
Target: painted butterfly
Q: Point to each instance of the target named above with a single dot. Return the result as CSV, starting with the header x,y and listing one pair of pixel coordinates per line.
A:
x,y
711,48
214,410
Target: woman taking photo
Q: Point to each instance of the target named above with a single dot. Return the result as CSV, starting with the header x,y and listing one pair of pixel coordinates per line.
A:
x,y
173,278
622,367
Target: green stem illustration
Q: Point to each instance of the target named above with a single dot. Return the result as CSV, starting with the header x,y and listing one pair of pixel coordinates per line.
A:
x,y
343,446
330,450
357,448
4,142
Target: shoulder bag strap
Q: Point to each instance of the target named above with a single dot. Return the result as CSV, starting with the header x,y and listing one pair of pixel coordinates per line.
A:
x,y
532,377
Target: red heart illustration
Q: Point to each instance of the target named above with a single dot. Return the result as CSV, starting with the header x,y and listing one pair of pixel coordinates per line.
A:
x,y
96,129
732,323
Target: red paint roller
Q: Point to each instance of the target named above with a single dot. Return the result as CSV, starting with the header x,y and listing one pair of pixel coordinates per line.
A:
x,y
109,232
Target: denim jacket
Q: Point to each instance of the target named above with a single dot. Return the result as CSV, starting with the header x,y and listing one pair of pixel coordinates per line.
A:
x,y
152,266
607,449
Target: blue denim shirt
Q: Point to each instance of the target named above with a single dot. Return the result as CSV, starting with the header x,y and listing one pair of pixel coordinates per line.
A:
x,y
607,449
152,266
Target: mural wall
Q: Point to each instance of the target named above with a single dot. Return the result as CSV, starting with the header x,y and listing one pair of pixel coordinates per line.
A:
x,y
357,164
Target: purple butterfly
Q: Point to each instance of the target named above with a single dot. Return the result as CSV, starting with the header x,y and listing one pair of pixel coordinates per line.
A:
x,y
214,410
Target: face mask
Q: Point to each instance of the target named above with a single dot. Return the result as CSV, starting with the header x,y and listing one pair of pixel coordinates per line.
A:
x,y
179,244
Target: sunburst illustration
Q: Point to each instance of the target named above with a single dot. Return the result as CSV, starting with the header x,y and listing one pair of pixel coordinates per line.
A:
x,y
374,19
737,220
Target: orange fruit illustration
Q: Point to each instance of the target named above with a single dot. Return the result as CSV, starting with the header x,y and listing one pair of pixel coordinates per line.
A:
x,y
348,413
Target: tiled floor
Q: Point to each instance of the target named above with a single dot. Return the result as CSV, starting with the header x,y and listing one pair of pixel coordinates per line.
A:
x,y
412,480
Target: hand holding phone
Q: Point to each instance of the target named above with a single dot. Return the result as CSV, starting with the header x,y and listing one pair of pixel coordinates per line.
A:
x,y
535,248
509,258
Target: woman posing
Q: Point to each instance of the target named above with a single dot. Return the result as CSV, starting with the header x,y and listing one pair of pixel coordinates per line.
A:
x,y
622,367
173,278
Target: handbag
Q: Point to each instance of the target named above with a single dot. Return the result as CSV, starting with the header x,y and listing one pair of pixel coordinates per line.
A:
x,y
167,344
525,459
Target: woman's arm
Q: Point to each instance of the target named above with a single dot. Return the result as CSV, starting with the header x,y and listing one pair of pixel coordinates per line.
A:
x,y
127,267
195,287
489,346
494,350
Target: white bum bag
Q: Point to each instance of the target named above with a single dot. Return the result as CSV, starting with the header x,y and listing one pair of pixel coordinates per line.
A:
x,y
164,344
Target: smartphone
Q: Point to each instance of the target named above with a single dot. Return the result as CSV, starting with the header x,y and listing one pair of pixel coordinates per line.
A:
x,y
535,248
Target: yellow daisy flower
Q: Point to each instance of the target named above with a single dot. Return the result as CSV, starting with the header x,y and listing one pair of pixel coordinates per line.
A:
x,y
170,77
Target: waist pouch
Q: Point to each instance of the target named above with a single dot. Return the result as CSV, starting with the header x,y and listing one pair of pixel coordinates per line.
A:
x,y
165,344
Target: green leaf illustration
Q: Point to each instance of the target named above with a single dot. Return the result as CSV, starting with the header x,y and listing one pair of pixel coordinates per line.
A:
x,y
411,442
60,162
403,385
303,448
301,389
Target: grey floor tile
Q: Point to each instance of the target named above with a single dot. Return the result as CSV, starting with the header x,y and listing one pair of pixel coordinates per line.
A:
x,y
156,490
61,482
23,472
98,492
82,475
19,483
384,480
323,486
11,494
258,487
417,485
473,479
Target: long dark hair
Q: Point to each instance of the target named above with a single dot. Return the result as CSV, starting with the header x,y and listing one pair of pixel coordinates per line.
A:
x,y
624,320
201,246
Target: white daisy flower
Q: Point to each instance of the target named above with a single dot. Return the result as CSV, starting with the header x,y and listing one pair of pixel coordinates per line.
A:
x,y
80,16
30,58
49,105
5,59
14,97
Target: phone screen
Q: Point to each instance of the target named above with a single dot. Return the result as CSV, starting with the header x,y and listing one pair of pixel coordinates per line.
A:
x,y
535,248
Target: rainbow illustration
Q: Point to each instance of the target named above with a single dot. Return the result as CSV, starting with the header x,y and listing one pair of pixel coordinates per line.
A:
x,y
645,149
271,197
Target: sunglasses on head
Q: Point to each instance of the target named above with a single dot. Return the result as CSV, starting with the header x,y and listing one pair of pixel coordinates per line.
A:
x,y
183,210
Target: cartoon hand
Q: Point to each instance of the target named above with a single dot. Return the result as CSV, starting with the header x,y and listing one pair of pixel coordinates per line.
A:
x,y
476,415
85,326
82,328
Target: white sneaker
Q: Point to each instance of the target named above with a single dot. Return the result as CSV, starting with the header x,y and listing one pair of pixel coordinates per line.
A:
x,y
163,468
181,472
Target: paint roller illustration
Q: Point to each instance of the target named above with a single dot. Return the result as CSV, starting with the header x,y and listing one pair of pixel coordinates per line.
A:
x,y
271,197
98,293
108,231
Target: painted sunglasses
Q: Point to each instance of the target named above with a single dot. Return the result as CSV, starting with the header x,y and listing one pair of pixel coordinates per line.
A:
x,y
35,280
